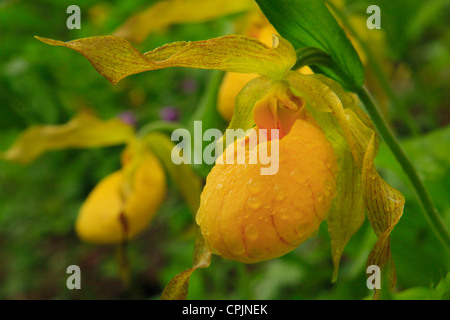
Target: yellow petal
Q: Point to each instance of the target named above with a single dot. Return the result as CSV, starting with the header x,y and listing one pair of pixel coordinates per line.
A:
x,y
384,207
347,212
115,58
384,204
166,13
123,203
83,131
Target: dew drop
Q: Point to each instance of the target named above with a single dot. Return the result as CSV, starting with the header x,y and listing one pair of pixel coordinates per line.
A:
x,y
236,247
253,203
254,187
251,232
284,214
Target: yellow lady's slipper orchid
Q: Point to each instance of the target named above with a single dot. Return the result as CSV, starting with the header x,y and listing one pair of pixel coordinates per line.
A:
x,y
250,217
292,102
124,202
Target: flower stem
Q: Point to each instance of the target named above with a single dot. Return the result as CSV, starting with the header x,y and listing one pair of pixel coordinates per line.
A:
x,y
422,194
159,126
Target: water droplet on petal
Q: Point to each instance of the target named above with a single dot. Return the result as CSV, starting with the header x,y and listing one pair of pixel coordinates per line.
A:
x,y
236,247
284,214
251,232
253,203
254,187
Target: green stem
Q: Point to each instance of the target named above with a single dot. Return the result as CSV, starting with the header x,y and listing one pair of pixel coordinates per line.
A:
x,y
124,266
423,196
159,126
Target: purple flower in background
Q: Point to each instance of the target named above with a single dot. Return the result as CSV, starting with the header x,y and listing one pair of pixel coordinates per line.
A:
x,y
189,85
170,114
128,117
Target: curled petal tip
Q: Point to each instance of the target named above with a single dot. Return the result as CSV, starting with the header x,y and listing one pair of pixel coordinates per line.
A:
x,y
49,41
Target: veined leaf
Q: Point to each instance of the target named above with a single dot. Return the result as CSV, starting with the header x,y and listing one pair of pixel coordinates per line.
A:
x,y
115,58
308,23
83,131
347,212
165,13
384,204
384,209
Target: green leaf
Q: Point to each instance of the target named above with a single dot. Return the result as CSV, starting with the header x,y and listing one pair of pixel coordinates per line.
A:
x,y
308,23
309,56
440,292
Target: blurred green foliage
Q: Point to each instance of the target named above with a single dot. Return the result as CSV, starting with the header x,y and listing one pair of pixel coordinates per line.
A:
x,y
39,202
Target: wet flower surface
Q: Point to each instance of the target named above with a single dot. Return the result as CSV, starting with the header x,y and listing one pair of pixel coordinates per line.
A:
x,y
250,217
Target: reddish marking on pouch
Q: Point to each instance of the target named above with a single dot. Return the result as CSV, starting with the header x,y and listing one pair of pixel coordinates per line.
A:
x,y
278,235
